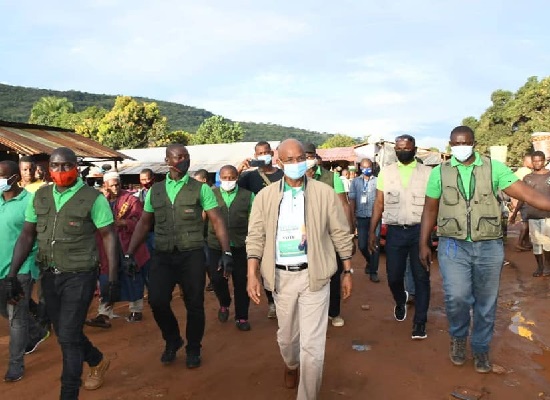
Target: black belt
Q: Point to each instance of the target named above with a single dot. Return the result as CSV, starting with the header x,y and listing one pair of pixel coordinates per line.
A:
x,y
405,226
292,268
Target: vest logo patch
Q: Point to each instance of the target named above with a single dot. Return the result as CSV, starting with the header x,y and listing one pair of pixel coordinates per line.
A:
x,y
189,211
75,223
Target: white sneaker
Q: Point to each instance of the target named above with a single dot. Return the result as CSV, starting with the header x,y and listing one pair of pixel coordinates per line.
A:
x,y
337,321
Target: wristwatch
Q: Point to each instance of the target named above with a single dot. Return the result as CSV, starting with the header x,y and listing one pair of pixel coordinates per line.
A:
x,y
228,253
348,271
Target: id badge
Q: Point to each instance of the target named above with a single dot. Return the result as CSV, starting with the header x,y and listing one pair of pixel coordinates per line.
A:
x,y
364,199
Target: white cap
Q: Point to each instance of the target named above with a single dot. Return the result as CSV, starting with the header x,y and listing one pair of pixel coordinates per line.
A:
x,y
111,175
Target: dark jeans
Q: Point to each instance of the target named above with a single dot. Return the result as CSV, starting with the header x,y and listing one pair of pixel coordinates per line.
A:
x,y
221,285
402,243
68,297
185,268
335,290
363,225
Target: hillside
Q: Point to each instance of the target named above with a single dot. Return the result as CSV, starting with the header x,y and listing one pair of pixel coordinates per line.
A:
x,y
16,103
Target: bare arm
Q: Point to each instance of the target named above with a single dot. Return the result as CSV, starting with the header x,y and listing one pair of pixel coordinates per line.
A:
x,y
427,223
521,191
23,247
109,238
377,211
219,227
140,233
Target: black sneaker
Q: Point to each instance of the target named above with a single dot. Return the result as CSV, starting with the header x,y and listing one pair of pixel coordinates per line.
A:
x,y
223,314
170,351
374,278
242,324
481,363
419,332
457,352
31,347
209,287
400,310
193,361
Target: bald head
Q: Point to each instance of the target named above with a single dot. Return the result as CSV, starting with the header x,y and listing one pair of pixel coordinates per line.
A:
x,y
291,150
63,154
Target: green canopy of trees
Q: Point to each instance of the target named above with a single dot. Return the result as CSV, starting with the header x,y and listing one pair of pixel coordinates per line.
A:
x,y
338,141
512,118
217,129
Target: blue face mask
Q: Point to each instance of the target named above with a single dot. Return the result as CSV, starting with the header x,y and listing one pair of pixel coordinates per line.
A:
x,y
295,171
4,185
366,171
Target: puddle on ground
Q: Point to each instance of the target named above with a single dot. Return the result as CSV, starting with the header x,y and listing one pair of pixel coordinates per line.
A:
x,y
522,326
543,360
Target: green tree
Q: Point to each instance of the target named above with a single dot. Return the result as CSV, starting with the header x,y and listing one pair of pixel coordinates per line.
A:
x,y
52,111
169,138
130,124
217,129
338,140
89,121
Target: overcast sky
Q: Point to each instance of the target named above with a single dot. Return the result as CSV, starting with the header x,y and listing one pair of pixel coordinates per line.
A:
x,y
354,67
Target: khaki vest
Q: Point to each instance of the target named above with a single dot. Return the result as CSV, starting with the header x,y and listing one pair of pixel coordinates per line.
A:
x,y
326,177
403,206
236,219
66,238
178,226
478,218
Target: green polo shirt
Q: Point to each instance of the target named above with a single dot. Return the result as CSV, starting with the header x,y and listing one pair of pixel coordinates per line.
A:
x,y
12,218
173,187
101,211
405,172
338,184
228,197
503,176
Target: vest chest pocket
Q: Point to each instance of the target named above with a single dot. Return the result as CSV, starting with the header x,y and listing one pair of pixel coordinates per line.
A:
x,y
485,199
450,196
418,199
392,197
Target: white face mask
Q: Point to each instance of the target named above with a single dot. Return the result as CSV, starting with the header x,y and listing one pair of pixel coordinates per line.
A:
x,y
266,158
462,153
311,163
228,186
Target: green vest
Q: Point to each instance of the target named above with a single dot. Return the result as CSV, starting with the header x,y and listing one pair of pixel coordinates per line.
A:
x,y
236,219
178,226
326,177
478,218
66,238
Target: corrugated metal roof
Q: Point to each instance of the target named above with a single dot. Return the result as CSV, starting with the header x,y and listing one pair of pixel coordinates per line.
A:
x,y
31,139
337,154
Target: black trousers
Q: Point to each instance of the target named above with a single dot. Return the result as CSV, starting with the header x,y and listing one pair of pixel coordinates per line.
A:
x,y
221,285
187,269
335,290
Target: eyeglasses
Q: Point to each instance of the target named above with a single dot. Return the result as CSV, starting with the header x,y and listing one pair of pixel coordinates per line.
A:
x,y
294,160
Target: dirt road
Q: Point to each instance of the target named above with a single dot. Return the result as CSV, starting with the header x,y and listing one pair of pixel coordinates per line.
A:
x,y
247,365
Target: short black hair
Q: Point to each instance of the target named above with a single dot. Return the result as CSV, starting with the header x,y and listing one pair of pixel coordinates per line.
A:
x,y
28,159
231,167
538,153
262,143
201,173
12,166
463,129
147,171
406,137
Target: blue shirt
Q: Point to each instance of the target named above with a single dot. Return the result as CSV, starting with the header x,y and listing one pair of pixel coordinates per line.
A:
x,y
363,192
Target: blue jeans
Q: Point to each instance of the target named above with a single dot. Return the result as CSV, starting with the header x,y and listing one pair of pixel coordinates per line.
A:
x,y
68,297
23,327
471,278
363,225
402,243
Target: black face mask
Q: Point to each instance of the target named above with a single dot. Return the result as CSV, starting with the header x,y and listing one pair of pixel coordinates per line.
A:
x,y
405,156
183,166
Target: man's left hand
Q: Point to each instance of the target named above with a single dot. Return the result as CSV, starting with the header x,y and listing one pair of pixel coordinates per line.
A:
x,y
346,286
13,289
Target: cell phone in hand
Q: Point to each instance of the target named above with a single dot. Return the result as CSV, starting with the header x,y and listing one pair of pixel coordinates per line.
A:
x,y
256,163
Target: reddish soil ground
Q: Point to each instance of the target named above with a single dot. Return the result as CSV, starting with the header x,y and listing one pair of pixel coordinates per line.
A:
x,y
247,365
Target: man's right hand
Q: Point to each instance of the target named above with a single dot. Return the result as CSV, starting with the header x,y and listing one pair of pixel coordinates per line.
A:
x,y
373,243
254,288
243,166
425,256
14,290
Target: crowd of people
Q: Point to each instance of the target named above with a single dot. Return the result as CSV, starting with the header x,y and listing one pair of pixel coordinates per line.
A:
x,y
284,228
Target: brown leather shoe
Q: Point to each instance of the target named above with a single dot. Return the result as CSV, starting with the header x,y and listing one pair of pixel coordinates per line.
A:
x,y
95,378
291,378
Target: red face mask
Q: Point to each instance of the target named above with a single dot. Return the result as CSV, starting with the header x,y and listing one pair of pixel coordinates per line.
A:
x,y
64,178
